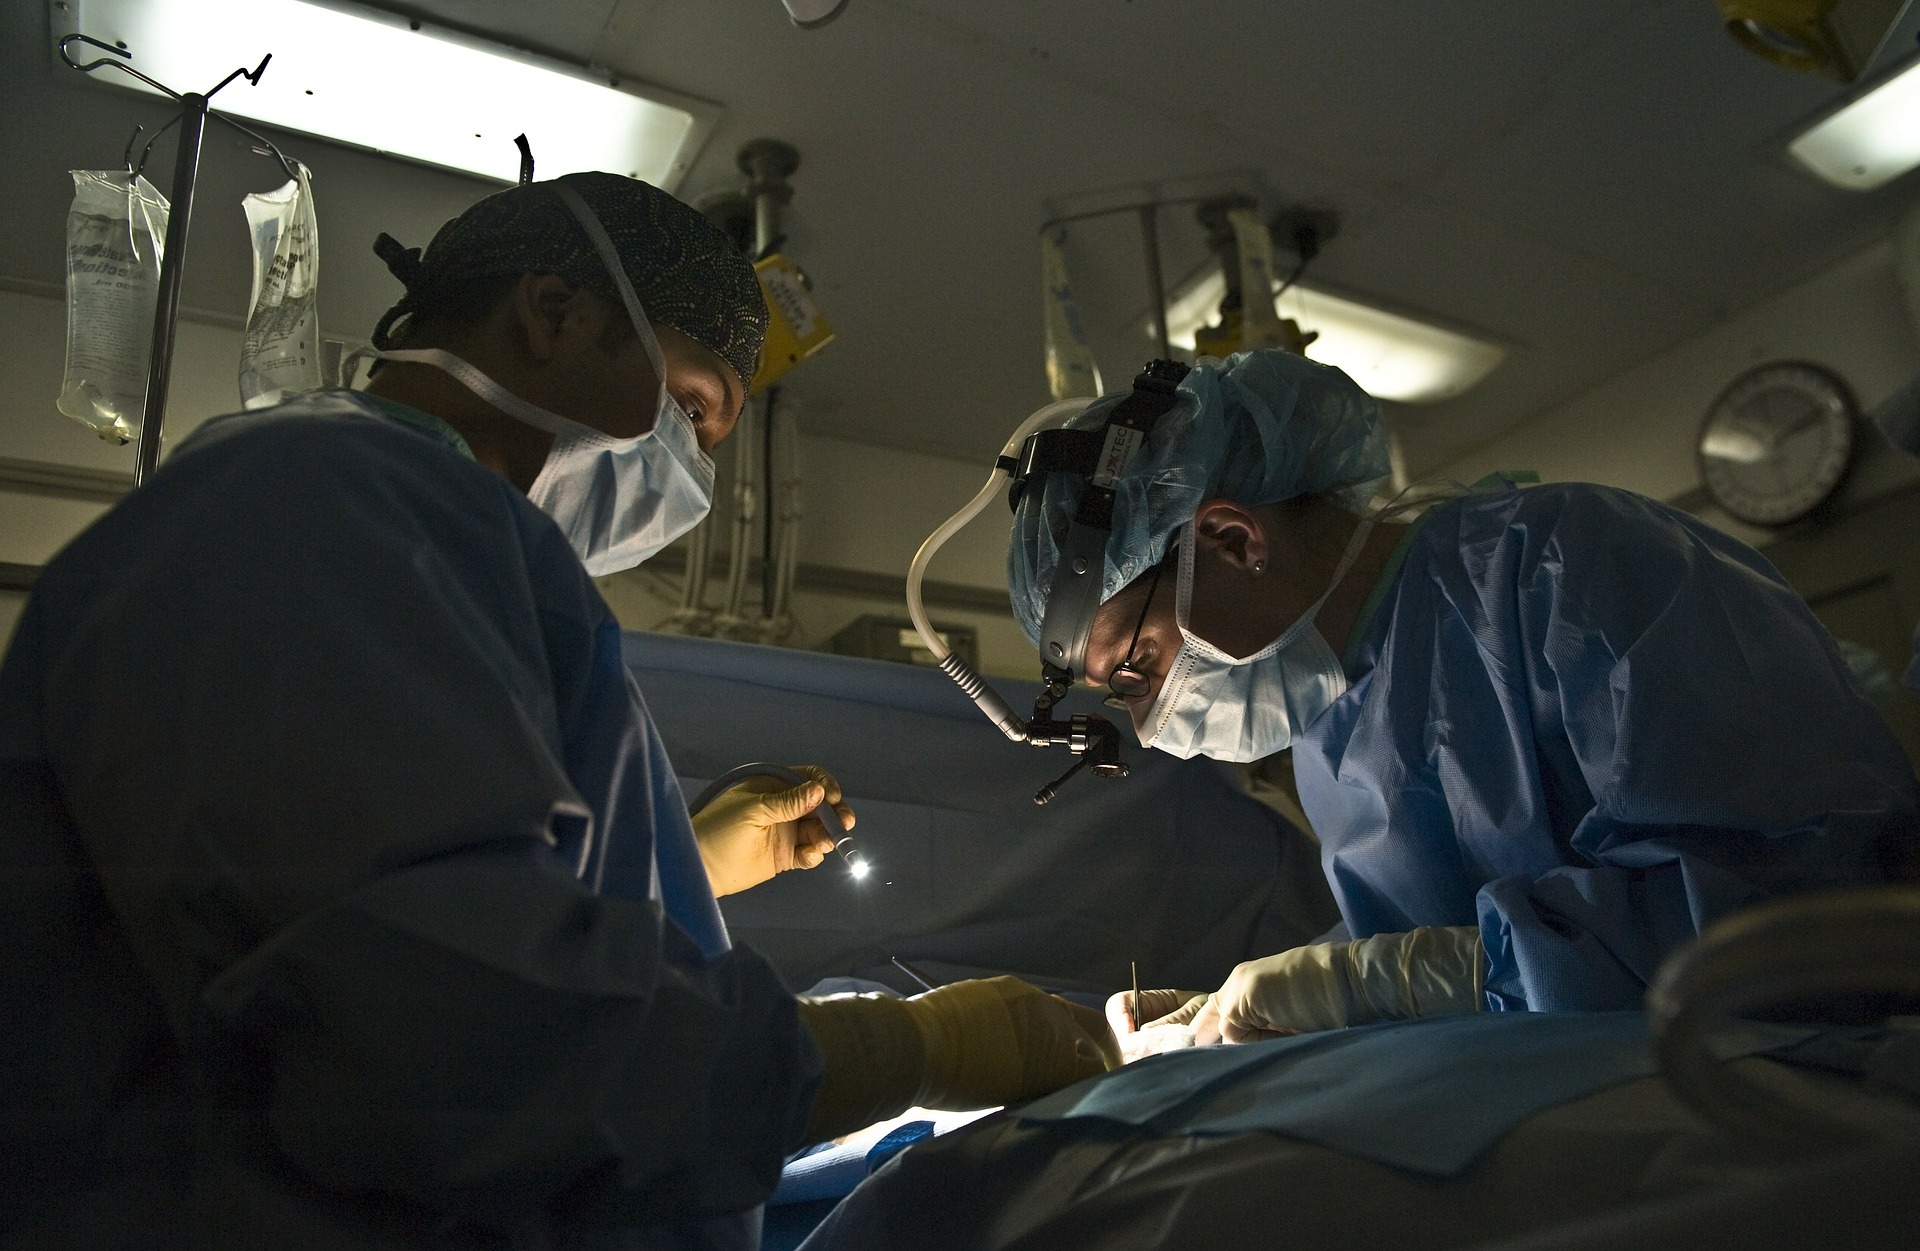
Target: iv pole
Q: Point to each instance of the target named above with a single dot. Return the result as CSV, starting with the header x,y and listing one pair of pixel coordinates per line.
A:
x,y
192,120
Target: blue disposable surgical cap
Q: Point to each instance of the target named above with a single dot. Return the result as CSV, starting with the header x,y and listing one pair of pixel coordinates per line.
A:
x,y
1263,426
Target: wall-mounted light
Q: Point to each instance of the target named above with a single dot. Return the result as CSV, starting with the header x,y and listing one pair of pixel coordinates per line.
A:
x,y
1872,140
401,87
1393,357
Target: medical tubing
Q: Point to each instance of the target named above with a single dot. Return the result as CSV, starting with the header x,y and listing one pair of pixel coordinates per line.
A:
x,y
842,841
976,688
1845,942
693,593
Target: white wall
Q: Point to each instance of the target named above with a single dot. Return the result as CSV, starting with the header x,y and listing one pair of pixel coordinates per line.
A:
x,y
32,358
1637,430
867,508
11,604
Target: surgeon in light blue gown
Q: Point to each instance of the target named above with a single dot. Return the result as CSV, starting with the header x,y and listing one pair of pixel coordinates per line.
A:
x,y
1544,735
347,896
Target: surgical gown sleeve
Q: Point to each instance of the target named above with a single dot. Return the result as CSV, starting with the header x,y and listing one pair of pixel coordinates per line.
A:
x,y
1593,725
1703,742
343,725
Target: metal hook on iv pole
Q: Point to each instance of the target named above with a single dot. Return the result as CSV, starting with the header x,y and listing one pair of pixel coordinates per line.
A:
x,y
251,75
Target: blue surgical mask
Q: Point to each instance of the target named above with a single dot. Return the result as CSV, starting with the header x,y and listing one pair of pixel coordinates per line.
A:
x,y
618,501
1242,709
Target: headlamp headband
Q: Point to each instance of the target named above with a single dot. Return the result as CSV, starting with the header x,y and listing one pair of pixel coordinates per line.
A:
x,y
1101,457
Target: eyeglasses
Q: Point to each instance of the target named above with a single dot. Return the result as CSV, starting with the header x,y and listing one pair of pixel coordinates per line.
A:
x,y
1127,680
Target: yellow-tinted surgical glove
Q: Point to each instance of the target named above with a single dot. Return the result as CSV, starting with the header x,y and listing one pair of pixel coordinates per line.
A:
x,y
1431,971
974,1044
1163,1020
761,827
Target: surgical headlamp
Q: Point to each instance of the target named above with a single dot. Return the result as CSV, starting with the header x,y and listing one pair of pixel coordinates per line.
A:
x,y
1101,458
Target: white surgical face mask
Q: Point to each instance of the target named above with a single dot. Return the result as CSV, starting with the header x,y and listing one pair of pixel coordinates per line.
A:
x,y
618,501
1212,704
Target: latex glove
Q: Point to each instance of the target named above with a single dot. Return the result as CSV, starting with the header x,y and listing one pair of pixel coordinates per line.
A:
x,y
1163,1020
761,827
1431,971
978,1044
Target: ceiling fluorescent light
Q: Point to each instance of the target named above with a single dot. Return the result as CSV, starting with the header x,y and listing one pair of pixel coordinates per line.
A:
x,y
377,81
1871,141
1392,357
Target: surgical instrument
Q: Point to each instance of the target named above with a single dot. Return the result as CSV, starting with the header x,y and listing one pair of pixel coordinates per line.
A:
x,y
925,981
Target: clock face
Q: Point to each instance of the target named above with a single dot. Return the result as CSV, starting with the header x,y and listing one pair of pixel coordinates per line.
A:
x,y
1777,442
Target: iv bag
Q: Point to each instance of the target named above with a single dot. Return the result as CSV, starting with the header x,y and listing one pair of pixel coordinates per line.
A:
x,y
116,230
281,355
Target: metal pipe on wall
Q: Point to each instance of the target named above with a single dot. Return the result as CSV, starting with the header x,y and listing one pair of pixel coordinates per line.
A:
x,y
1156,278
769,574
765,491
789,498
746,490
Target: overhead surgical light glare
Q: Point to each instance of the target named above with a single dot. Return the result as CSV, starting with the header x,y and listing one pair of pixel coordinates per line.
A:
x,y
1391,356
1101,458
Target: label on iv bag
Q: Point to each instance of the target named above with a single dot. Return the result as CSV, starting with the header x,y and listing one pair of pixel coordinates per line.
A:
x,y
116,229
281,355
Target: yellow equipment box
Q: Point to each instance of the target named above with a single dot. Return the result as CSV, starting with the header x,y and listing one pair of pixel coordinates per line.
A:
x,y
796,329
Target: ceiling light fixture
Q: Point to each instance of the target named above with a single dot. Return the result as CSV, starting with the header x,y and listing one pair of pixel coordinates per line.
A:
x,y
808,14
1872,140
1392,357
403,88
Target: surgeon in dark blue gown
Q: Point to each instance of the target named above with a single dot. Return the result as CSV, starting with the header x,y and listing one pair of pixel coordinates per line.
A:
x,y
1544,735
347,896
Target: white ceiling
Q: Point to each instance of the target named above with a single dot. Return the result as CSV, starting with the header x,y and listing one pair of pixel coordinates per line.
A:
x,y
1587,182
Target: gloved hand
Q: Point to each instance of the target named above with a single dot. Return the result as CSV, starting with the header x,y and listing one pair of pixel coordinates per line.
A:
x,y
1163,1020
1431,971
759,828
976,1044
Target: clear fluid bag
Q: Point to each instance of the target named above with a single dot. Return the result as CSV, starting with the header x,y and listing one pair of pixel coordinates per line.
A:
x,y
281,357
116,230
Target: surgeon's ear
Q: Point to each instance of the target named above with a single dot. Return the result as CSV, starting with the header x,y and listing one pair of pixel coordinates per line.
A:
x,y
540,304
1233,534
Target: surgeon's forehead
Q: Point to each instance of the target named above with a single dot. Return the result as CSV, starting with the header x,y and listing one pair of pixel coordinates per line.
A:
x,y
714,368
1130,595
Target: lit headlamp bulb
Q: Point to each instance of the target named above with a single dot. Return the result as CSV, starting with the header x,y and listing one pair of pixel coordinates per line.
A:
x,y
856,863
